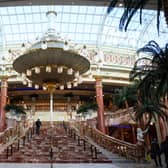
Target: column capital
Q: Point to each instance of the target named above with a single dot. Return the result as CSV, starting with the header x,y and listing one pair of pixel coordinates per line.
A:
x,y
98,77
4,83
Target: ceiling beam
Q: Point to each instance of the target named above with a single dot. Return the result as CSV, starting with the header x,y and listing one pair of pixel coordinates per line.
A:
x,y
152,4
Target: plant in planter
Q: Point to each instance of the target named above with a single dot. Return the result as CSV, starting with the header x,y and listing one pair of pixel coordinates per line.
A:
x,y
153,78
14,111
87,109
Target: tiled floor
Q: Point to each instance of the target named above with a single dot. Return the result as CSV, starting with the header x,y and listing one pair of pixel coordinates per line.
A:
x,y
81,165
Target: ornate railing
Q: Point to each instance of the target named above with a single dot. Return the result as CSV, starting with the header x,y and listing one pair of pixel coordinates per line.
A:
x,y
15,134
128,150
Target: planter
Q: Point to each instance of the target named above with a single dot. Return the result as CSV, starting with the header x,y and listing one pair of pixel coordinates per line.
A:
x,y
11,122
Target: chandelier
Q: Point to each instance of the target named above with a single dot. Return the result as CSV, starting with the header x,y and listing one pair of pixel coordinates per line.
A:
x,y
51,60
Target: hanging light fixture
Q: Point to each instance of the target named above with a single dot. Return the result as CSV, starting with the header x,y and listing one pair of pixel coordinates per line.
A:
x,y
52,59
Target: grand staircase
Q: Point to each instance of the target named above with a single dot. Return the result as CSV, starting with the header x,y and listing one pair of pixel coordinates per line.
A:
x,y
53,145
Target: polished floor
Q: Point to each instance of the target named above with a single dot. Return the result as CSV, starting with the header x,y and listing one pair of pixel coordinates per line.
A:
x,y
81,165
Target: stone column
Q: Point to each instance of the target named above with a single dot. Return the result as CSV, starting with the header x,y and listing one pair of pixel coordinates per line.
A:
x,y
4,87
99,99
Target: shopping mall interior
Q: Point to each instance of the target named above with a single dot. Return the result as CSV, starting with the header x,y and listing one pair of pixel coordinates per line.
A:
x,y
83,83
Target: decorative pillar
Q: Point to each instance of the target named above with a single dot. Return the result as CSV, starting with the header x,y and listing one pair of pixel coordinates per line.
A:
x,y
51,108
158,131
133,134
3,101
99,99
162,129
51,89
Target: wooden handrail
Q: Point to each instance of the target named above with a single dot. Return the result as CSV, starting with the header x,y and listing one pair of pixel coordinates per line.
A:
x,y
128,150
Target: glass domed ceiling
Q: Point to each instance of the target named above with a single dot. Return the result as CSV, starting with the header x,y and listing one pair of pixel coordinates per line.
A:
x,y
82,24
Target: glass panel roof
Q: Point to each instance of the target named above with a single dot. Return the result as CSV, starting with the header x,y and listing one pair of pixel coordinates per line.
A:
x,y
82,24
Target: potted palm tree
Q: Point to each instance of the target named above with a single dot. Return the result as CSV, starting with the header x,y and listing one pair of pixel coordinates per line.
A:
x,y
87,109
14,114
153,78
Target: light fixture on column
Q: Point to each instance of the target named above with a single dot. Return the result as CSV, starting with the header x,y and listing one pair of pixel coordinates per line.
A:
x,y
75,84
36,86
61,87
44,88
29,84
69,85
37,70
60,69
48,68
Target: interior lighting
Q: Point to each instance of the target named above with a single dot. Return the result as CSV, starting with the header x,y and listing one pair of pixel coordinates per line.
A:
x,y
44,45
69,85
24,82
36,86
48,69
70,71
29,84
28,72
76,74
37,70
61,87
60,69
75,84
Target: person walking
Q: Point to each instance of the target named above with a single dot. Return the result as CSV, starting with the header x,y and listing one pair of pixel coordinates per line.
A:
x,y
164,149
38,125
156,152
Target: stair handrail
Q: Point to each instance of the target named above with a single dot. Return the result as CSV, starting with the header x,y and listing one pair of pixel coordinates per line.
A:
x,y
123,148
11,134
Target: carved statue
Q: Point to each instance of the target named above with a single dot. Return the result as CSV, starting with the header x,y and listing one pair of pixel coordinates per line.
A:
x,y
140,135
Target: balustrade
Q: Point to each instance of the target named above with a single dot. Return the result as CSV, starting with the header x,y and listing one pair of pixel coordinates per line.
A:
x,y
128,150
